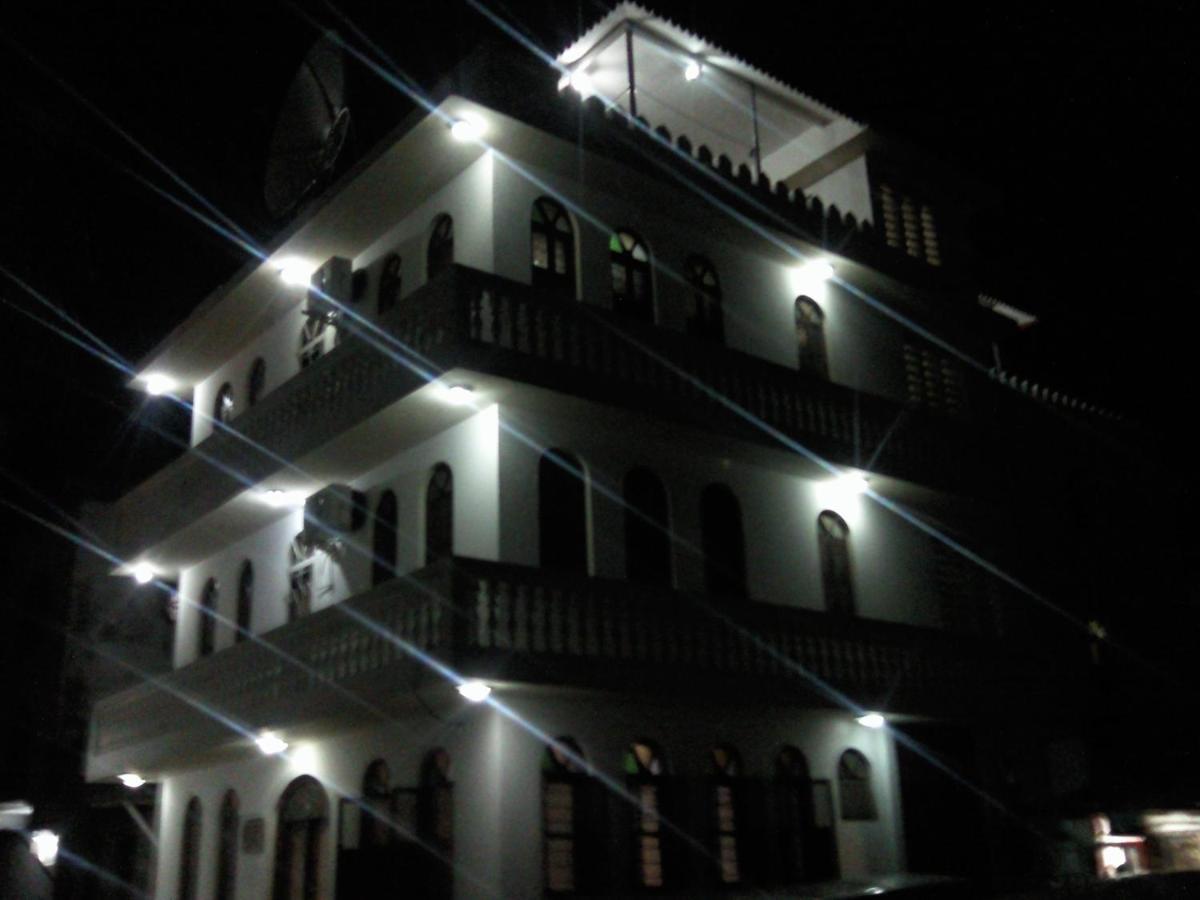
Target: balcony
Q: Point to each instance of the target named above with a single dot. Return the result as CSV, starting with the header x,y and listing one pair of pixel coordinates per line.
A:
x,y
471,320
356,662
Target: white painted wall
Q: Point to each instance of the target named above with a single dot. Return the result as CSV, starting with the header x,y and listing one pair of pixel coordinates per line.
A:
x,y
496,769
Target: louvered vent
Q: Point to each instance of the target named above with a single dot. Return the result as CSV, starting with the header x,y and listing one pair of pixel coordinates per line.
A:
x,y
933,381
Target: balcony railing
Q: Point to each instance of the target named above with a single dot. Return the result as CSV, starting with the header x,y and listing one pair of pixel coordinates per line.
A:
x,y
472,320
360,660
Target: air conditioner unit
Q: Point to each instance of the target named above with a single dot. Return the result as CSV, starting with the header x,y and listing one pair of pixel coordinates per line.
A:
x,y
333,511
332,282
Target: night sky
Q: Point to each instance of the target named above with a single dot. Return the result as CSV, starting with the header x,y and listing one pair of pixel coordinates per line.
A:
x,y
1082,123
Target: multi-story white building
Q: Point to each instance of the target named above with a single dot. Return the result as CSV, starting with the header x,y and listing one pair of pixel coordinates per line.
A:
x,y
599,415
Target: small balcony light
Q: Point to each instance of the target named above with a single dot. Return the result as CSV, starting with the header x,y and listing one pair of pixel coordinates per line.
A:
x,y
458,394
295,272
582,82
131,780
270,744
466,129
157,384
143,573
855,483
817,270
692,70
277,499
871,720
475,691
45,847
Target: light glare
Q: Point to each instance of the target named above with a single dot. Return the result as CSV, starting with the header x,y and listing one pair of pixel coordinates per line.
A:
x,y
582,82
132,780
270,744
817,270
157,384
466,129
45,847
143,573
871,720
277,499
458,394
692,70
474,691
295,272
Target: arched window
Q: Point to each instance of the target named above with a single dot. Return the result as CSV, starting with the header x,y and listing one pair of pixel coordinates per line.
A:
x,y
562,512
208,618
303,819
383,551
631,286
245,601
647,529
726,798
435,820
189,851
810,337
389,283
552,248
723,542
706,320
376,830
301,559
833,540
441,247
256,382
223,403
645,771
857,798
227,848
312,337
439,514
562,781
807,843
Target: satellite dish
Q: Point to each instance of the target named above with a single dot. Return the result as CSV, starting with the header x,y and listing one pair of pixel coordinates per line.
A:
x,y
311,132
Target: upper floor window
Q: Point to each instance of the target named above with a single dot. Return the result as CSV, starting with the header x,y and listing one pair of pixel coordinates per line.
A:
x,y
440,256
223,403
189,851
301,559
805,814
227,847
552,248
854,787
810,337
833,540
389,283
245,601
727,774
208,618
313,337
722,542
631,285
645,770
439,514
256,382
562,781
706,320
562,512
647,529
303,821
908,225
383,550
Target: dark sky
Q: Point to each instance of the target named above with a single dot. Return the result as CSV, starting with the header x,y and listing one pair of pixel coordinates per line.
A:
x,y
1081,121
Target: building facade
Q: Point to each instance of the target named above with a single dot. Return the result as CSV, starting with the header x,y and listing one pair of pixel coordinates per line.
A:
x,y
607,386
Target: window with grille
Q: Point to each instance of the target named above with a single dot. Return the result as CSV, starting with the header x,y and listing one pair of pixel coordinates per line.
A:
x,y
439,514
630,265
933,381
810,337
645,770
727,773
854,787
908,225
227,847
390,281
647,529
552,248
245,600
440,255
223,406
707,320
722,542
833,542
562,777
189,851
208,618
257,381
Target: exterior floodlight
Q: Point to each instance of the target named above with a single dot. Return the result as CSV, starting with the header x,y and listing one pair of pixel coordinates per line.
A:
x,y
157,385
475,691
295,272
1113,856
459,394
817,270
465,130
143,573
692,70
270,744
855,483
45,847
277,499
582,82
871,720
131,780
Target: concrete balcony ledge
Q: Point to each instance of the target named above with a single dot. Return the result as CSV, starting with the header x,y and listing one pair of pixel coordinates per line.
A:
x,y
361,661
470,320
